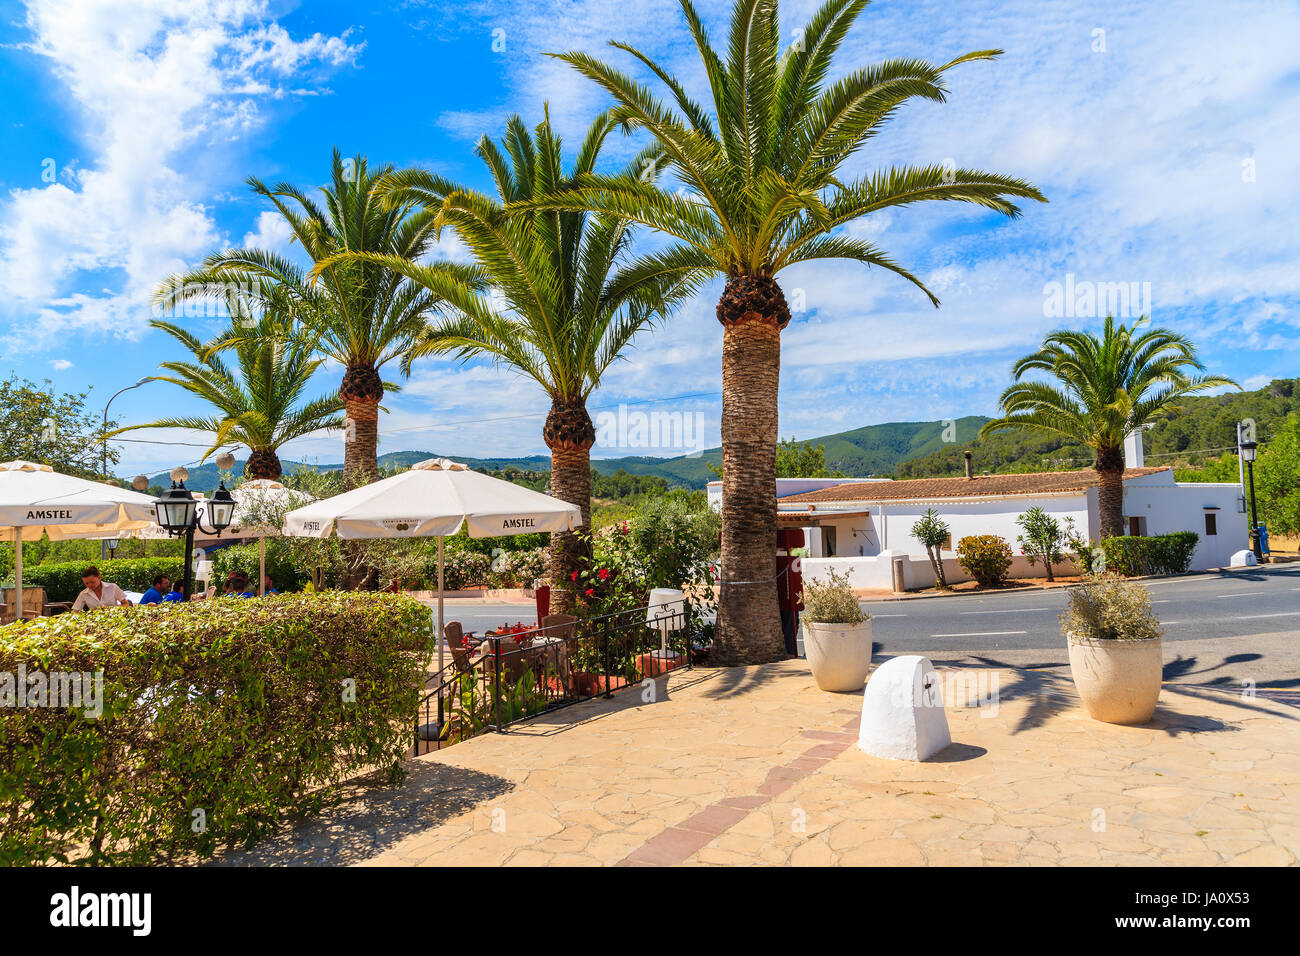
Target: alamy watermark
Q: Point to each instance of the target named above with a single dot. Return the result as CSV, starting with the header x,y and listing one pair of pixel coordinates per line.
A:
x,y
679,431
1085,299
58,690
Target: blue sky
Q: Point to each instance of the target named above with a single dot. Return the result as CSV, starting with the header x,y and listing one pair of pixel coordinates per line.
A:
x,y
1164,135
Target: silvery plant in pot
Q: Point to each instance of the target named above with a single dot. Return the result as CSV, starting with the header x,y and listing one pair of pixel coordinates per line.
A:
x,y
836,634
1116,657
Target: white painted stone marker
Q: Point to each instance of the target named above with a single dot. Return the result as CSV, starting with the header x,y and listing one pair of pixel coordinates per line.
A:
x,y
902,711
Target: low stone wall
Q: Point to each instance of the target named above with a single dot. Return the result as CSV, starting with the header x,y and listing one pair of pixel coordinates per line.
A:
x,y
876,572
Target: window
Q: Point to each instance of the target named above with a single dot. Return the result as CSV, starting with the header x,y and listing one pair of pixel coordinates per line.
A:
x,y
947,542
1211,523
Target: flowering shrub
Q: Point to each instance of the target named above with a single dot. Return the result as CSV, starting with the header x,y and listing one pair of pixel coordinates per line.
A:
x,y
985,557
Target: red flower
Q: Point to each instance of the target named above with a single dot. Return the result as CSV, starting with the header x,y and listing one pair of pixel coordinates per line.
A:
x,y
625,527
590,591
573,576
603,574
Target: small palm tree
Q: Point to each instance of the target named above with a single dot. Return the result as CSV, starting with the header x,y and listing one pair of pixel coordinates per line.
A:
x,y
1105,388
556,316
258,404
763,186
360,313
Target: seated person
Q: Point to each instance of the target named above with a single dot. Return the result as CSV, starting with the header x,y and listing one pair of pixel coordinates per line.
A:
x,y
236,585
174,595
161,585
98,593
267,586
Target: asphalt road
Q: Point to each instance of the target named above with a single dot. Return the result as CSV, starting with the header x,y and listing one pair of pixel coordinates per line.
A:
x,y
1198,607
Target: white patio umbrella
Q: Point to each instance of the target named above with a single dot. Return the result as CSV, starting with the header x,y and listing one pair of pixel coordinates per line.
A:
x,y
35,499
433,499
253,500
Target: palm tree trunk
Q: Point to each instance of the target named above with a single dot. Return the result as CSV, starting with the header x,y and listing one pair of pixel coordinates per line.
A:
x,y
361,442
569,433
1110,490
263,463
361,390
752,311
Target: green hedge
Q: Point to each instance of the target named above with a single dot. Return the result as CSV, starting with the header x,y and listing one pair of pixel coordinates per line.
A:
x,y
62,581
1160,554
220,719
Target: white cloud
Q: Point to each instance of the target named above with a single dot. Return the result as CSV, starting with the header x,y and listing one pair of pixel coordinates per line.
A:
x,y
60,365
155,83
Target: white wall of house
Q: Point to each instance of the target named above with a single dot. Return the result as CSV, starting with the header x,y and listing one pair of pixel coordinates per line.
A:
x,y
1166,506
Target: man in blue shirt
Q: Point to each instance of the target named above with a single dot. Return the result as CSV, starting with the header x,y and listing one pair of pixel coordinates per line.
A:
x,y
161,585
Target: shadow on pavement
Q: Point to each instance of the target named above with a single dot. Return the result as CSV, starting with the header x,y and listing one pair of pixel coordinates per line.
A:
x,y
372,817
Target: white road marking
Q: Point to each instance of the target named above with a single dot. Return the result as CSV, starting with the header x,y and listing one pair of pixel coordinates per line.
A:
x,y
982,634
889,615
1017,610
1260,617
1241,594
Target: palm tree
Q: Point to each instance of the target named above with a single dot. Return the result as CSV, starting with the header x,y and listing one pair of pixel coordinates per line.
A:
x,y
258,404
359,313
763,185
556,317
1106,388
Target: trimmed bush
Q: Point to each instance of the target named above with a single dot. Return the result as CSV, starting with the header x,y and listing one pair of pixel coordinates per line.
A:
x,y
1161,554
985,557
62,581
222,717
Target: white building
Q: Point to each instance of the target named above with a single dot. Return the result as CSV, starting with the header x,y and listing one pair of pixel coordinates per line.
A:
x,y
863,527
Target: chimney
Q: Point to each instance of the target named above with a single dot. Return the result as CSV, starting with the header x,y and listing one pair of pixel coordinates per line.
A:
x,y
1133,455
970,469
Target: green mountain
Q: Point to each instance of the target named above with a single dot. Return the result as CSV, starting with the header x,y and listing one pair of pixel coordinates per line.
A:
x,y
1203,430
862,452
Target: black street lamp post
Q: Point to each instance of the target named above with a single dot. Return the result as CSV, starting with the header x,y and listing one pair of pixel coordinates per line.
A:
x,y
1248,452
178,514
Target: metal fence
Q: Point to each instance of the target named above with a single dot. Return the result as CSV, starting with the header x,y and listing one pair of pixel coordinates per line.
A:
x,y
502,679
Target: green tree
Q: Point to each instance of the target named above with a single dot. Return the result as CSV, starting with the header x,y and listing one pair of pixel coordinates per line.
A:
x,y
1105,387
764,184
796,459
1277,479
559,318
51,428
1044,538
933,532
358,311
260,402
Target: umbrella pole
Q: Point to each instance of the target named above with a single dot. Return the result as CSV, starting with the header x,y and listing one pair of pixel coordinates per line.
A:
x,y
18,573
261,567
440,622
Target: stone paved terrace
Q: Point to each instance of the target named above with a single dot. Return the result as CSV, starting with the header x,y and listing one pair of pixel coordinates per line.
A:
x,y
757,766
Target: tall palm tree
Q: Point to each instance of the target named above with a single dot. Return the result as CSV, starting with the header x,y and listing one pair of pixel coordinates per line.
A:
x,y
556,316
764,185
260,402
360,313
1106,387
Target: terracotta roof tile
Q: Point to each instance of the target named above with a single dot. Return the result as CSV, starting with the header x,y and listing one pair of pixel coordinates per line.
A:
x,y
1043,482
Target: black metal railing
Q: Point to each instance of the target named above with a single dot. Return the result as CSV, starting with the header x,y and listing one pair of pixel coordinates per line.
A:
x,y
502,678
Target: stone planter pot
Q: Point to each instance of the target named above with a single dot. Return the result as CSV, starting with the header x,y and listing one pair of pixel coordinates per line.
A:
x,y
839,654
1118,681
